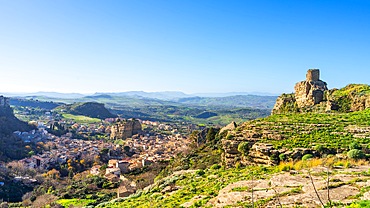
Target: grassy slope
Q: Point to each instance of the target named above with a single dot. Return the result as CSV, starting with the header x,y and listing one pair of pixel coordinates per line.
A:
x,y
306,130
300,130
193,184
81,119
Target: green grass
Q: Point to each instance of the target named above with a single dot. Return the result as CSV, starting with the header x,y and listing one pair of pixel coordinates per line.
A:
x,y
353,88
311,129
191,185
75,202
81,119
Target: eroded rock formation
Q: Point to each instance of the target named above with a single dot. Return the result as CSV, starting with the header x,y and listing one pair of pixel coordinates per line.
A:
x,y
125,129
307,94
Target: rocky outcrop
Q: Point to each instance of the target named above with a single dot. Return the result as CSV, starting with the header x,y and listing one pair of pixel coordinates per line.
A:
x,y
312,95
125,129
262,154
285,103
231,155
307,94
4,102
231,126
311,91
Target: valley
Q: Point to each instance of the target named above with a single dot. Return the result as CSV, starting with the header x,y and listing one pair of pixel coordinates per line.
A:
x,y
312,151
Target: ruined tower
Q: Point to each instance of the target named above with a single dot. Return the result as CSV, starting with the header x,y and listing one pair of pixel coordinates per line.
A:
x,y
313,75
311,91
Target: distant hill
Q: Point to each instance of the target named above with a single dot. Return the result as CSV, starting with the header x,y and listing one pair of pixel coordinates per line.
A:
x,y
140,98
166,95
45,94
253,101
48,105
90,109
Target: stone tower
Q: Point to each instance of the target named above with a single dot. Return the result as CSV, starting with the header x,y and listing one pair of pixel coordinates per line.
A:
x,y
313,75
311,91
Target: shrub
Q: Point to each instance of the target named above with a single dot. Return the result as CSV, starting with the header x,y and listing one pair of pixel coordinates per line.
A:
x,y
286,166
355,154
354,145
307,157
229,136
243,147
215,167
274,157
200,172
282,157
319,148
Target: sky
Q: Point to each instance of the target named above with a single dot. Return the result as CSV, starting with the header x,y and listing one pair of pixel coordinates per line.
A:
x,y
192,46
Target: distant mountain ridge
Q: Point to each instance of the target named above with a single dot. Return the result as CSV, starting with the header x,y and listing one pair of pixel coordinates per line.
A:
x,y
253,101
163,95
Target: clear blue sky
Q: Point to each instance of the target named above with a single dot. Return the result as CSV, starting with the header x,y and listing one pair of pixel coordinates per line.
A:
x,y
175,45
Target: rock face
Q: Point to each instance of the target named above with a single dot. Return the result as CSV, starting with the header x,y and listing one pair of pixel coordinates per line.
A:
x,y
125,129
311,91
231,155
284,103
231,126
4,102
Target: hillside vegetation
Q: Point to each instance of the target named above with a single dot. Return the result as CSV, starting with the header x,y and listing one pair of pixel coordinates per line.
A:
x,y
11,147
89,109
327,151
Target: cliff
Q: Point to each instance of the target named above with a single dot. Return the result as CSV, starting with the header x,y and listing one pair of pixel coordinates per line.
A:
x,y
11,147
8,122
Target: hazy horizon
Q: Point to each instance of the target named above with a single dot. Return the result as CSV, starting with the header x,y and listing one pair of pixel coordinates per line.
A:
x,y
140,91
209,46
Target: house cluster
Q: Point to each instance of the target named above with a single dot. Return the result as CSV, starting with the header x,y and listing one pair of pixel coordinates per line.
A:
x,y
33,136
147,150
64,150
89,128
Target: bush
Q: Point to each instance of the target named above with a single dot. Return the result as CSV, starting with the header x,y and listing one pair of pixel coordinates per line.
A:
x,y
215,167
282,157
307,157
354,145
200,172
229,136
274,157
243,147
319,148
356,154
